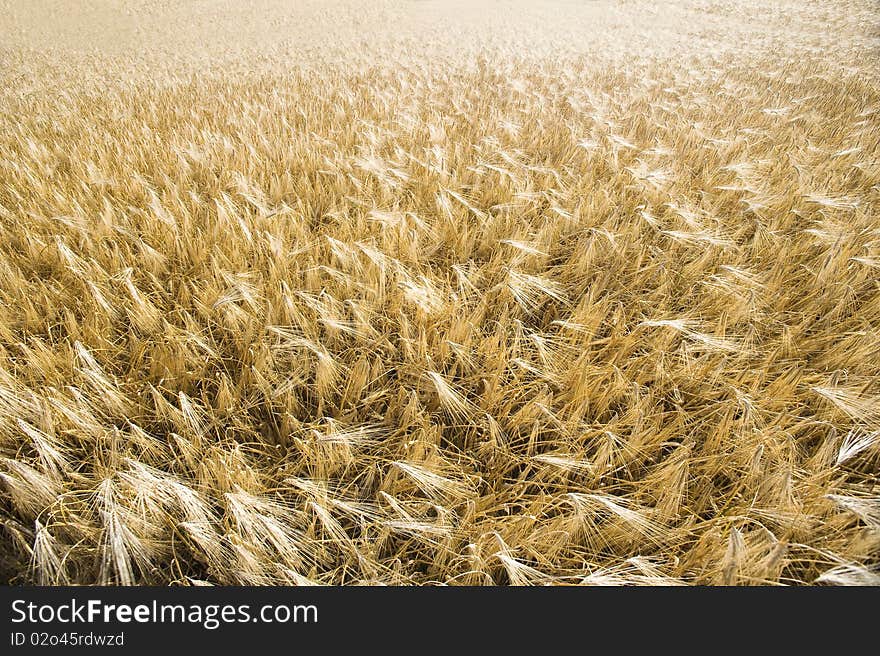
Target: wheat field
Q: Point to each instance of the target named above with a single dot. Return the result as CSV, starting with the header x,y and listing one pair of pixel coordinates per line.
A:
x,y
465,293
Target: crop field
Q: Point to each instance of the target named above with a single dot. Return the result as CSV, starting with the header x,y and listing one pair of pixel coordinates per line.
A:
x,y
423,292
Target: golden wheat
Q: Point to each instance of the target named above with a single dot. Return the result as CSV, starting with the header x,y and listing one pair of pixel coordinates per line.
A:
x,y
423,292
